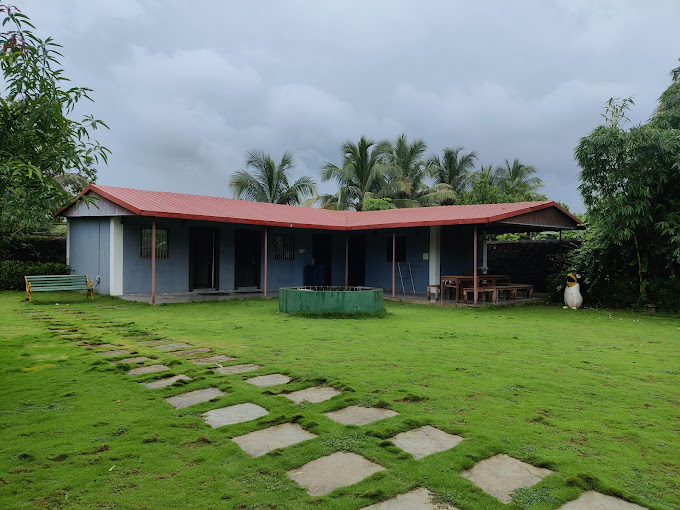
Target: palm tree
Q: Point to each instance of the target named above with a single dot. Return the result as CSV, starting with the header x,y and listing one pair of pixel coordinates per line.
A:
x,y
453,168
361,176
269,182
515,180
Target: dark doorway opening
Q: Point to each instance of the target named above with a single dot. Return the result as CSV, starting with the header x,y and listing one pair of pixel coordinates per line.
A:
x,y
204,259
247,256
322,253
356,263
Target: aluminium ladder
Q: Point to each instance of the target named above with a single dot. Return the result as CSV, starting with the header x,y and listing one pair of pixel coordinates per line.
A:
x,y
405,273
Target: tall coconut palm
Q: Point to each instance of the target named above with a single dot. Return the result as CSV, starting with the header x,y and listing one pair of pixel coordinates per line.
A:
x,y
515,180
361,176
454,168
269,182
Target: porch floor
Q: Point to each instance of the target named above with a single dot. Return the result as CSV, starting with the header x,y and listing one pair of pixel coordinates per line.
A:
x,y
212,295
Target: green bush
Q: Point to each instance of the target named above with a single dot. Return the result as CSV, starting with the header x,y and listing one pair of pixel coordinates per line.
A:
x,y
12,272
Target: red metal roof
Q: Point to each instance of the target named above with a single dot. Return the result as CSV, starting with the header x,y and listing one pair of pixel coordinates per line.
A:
x,y
162,204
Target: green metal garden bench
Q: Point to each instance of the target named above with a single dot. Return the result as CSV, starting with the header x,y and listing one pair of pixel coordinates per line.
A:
x,y
52,283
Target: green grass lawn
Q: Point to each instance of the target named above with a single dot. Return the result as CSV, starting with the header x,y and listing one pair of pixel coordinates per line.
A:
x,y
592,395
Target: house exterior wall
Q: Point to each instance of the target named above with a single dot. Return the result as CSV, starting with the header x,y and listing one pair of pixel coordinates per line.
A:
x,y
379,269
88,241
457,250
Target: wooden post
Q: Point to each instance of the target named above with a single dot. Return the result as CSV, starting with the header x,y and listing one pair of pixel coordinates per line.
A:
x,y
153,262
394,260
264,286
474,266
346,259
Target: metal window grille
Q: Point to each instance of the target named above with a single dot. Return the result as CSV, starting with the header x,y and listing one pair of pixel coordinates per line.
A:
x,y
284,247
162,248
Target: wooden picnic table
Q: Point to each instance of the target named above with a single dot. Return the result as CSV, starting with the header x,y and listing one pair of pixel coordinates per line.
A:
x,y
457,282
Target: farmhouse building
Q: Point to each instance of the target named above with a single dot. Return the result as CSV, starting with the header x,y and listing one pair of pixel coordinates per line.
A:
x,y
204,242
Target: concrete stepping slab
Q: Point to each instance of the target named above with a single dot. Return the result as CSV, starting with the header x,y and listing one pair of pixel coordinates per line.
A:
x,y
263,441
191,352
326,474
138,359
500,475
591,500
357,415
238,413
194,397
425,441
148,369
264,381
211,360
417,499
162,383
237,369
173,347
115,352
153,342
313,395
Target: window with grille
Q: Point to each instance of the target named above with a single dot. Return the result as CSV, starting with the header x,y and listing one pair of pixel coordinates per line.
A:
x,y
162,250
284,247
400,251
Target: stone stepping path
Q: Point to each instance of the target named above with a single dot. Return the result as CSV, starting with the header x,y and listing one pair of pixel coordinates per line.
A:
x,y
339,469
191,352
138,359
417,499
162,383
238,413
211,360
264,381
425,441
115,352
591,500
173,347
500,475
357,415
261,442
194,397
237,369
148,369
313,395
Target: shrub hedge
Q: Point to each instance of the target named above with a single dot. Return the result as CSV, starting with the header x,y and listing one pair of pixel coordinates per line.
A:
x,y
12,272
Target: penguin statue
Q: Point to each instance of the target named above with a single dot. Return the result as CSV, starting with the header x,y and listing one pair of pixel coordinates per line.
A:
x,y
572,293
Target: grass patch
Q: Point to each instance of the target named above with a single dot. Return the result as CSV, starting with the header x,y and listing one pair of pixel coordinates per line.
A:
x,y
590,394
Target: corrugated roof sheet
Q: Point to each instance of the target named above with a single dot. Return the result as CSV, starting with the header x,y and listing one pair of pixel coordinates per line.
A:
x,y
197,207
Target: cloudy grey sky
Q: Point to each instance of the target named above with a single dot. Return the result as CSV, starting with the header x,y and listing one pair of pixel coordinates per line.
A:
x,y
188,87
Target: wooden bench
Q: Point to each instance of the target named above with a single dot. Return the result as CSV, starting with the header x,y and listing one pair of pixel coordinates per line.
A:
x,y
51,283
511,290
483,291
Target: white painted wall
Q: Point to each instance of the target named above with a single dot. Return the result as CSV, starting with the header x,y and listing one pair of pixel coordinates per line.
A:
x,y
116,256
435,254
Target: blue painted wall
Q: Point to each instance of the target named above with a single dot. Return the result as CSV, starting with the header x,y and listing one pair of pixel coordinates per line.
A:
x,y
379,269
89,250
90,254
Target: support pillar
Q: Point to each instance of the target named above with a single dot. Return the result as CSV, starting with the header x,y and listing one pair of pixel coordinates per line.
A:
x,y
394,261
474,266
153,262
346,259
264,285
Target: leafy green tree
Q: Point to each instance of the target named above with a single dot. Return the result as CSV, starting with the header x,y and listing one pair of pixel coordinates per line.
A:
x,y
515,180
630,183
361,176
270,182
453,168
406,172
44,153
